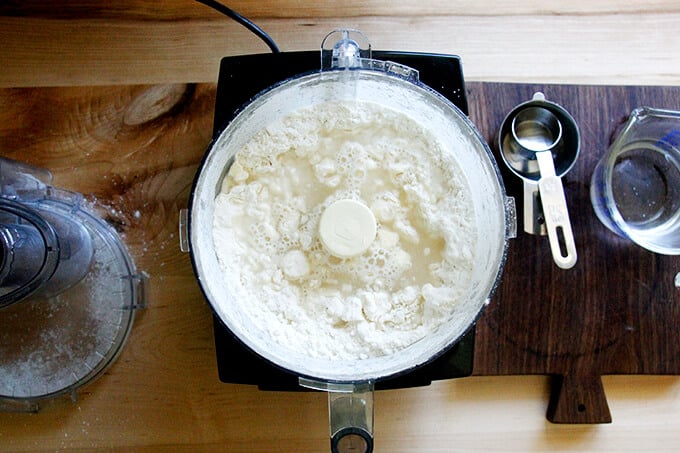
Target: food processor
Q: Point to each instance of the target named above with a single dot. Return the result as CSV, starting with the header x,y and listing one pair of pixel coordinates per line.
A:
x,y
68,289
349,72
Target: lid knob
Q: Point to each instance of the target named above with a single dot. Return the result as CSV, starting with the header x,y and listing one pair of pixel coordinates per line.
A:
x,y
347,228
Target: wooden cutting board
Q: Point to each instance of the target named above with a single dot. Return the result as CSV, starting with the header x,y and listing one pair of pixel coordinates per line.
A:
x,y
135,150
618,310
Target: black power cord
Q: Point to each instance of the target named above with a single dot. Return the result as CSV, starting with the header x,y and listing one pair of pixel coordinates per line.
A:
x,y
243,21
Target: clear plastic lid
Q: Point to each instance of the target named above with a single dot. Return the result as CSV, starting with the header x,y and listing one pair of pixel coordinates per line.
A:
x,y
52,342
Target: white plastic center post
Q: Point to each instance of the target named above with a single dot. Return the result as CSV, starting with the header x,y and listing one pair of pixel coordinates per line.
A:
x,y
347,228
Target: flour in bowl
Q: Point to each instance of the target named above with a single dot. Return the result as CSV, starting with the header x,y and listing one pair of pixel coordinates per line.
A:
x,y
266,231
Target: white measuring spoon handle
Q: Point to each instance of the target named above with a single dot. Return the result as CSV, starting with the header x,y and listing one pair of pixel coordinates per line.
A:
x,y
556,214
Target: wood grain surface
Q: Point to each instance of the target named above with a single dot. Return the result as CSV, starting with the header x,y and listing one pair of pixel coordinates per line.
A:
x,y
186,9
134,151
163,393
138,41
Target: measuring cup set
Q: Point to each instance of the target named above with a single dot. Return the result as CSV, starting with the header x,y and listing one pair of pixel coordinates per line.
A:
x,y
635,188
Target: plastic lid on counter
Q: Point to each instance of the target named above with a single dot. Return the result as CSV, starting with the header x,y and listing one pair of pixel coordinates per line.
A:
x,y
51,345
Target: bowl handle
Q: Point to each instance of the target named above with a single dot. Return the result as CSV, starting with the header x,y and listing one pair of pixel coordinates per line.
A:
x,y
350,411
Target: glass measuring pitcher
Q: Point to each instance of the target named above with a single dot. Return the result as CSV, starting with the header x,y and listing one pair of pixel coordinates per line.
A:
x,y
635,188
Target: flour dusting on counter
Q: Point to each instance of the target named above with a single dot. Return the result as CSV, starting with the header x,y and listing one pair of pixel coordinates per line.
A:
x,y
266,221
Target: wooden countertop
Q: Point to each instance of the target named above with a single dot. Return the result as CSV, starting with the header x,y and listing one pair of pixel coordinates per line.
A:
x,y
163,393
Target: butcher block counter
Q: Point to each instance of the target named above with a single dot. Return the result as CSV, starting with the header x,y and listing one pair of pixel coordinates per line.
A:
x,y
117,100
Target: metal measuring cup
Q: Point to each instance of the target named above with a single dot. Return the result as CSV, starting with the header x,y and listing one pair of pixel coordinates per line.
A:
x,y
539,141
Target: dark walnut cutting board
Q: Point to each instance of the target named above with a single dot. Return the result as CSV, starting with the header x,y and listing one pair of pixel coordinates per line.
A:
x,y
618,310
135,150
